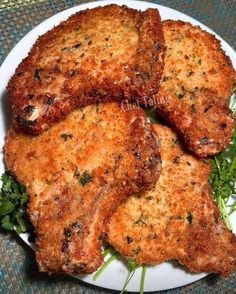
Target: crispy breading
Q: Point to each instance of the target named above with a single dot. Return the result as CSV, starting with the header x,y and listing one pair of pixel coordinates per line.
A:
x,y
98,55
178,219
76,174
196,85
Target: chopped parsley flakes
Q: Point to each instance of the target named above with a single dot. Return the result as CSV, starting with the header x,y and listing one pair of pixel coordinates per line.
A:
x,y
85,178
66,137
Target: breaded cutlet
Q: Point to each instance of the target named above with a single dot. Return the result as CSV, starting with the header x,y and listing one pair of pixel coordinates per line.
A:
x,y
97,55
195,89
76,174
178,219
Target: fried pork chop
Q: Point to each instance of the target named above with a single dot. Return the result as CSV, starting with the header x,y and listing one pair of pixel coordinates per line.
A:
x,y
97,55
178,219
76,174
196,85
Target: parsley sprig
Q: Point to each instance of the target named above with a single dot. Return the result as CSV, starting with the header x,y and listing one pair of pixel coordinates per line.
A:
x,y
223,176
113,256
131,265
223,179
13,201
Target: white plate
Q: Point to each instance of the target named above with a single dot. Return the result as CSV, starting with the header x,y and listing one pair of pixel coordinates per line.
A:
x,y
166,275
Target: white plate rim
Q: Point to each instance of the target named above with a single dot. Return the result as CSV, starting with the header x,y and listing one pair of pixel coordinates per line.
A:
x,y
14,59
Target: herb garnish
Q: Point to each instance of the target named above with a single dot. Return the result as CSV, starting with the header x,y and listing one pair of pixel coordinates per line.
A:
x,y
132,266
223,176
193,108
223,179
142,281
13,201
114,256
180,95
66,137
37,74
85,178
189,218
204,141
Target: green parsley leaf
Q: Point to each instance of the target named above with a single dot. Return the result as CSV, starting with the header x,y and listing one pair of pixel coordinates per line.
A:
x,y
85,178
6,207
6,223
13,201
223,179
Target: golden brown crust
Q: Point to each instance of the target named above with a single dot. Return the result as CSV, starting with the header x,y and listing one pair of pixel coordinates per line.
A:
x,y
114,152
178,219
202,119
102,54
197,82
